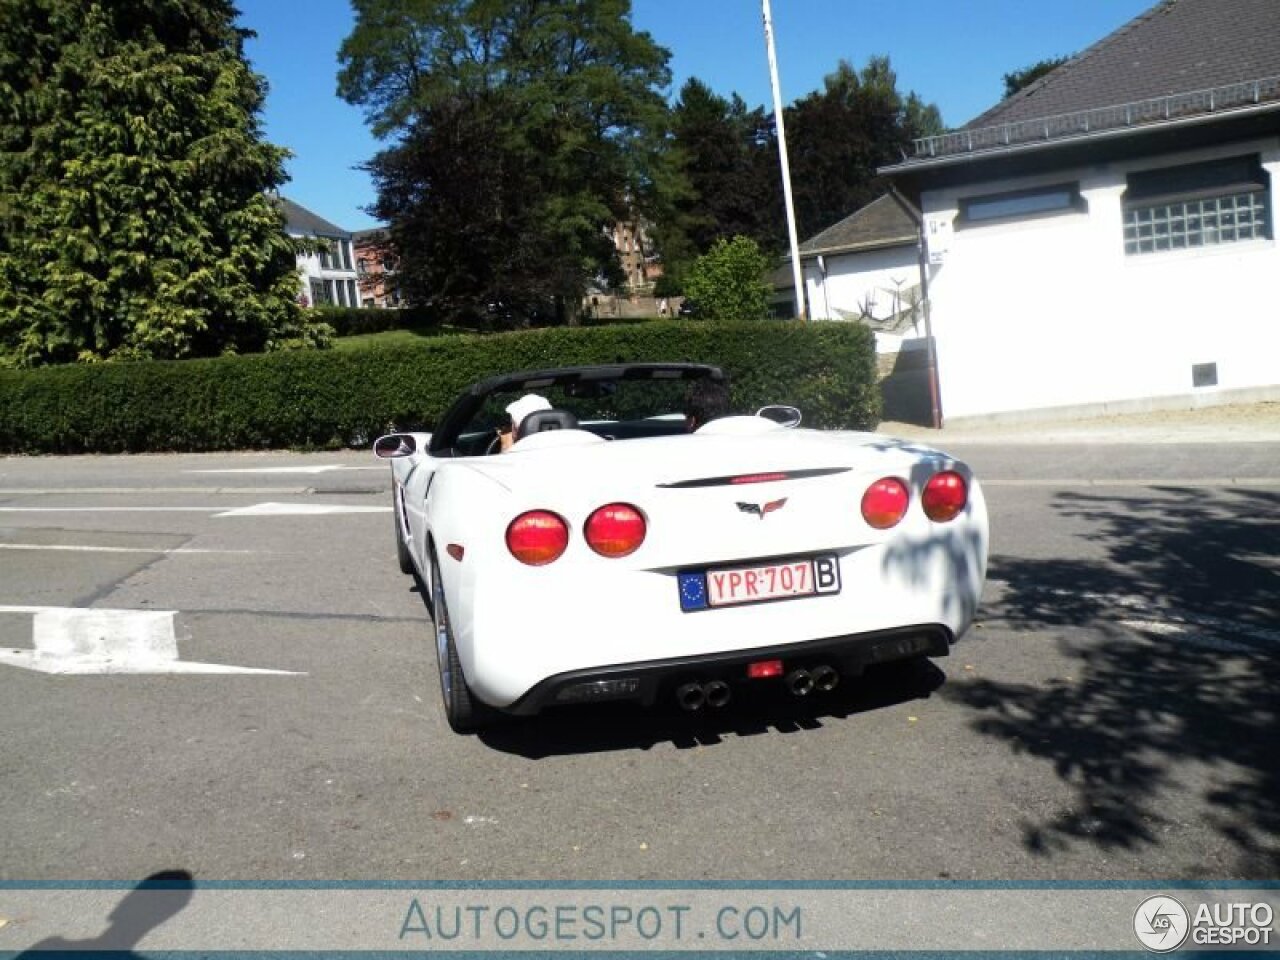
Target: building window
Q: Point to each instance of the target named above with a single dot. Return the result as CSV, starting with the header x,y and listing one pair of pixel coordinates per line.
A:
x,y
1196,223
318,295
1059,198
362,266
1196,205
345,247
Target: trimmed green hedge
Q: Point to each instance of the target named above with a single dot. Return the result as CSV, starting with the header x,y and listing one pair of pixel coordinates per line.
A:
x,y
350,321
335,399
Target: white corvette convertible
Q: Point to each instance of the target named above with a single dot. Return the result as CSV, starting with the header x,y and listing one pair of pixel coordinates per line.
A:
x,y
611,553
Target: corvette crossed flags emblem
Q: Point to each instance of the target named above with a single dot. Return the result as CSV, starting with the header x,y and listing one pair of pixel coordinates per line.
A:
x,y
762,510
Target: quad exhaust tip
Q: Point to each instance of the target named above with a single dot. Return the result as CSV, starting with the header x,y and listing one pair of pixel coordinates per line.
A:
x,y
693,696
718,693
825,678
800,682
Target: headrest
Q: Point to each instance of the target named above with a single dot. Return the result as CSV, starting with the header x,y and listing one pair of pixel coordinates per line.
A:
x,y
541,420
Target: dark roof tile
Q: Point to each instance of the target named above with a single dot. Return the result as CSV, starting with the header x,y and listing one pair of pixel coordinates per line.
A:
x,y
883,222
300,220
1177,46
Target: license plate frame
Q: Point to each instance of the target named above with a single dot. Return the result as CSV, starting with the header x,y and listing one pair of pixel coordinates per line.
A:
x,y
773,581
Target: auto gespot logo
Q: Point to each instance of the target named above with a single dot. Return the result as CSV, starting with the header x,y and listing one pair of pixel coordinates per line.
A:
x,y
1162,924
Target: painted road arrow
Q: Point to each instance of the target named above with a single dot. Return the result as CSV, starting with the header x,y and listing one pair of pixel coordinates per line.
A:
x,y
76,640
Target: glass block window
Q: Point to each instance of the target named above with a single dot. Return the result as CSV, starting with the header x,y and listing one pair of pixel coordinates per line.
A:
x,y
1180,225
1196,205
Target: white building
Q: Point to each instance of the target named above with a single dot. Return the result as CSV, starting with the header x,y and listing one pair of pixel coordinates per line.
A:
x,y
328,278
1105,238
867,267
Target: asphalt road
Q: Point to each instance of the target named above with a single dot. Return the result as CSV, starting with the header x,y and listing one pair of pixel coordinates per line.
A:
x,y
1113,714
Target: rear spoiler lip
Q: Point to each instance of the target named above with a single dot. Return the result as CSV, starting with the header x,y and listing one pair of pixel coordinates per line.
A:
x,y
762,476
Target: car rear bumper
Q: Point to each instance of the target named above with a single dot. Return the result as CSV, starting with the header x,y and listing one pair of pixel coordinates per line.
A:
x,y
647,681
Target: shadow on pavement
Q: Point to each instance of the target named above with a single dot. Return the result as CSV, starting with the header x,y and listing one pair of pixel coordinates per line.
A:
x,y
145,907
577,730
1175,680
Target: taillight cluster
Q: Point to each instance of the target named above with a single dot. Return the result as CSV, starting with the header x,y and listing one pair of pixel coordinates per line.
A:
x,y
539,537
885,502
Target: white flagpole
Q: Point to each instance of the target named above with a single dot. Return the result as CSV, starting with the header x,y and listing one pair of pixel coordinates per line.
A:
x,y
797,274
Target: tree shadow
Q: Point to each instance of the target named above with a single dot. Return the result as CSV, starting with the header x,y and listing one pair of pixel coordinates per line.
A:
x,y
149,904
753,712
1173,631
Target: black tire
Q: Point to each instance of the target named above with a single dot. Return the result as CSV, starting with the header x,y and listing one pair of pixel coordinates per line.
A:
x,y
464,712
403,557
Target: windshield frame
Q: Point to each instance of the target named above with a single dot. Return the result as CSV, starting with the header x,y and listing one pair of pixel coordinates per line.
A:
x,y
444,438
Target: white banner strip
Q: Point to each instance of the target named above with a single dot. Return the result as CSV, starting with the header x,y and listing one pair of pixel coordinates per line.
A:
x,y
657,919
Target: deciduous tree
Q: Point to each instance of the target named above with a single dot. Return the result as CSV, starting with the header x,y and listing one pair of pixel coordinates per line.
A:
x,y
518,131
728,282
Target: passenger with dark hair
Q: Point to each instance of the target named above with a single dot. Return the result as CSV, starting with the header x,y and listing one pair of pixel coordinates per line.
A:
x,y
706,400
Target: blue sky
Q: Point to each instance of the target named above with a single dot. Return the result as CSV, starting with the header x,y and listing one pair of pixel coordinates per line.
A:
x,y
951,52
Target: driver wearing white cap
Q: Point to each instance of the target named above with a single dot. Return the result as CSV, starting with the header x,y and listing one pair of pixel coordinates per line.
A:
x,y
517,410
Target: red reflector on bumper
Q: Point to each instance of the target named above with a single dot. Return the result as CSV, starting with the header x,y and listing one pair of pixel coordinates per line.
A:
x,y
763,669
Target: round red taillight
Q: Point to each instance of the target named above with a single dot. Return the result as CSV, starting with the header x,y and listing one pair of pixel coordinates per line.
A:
x,y
885,502
945,495
537,537
615,530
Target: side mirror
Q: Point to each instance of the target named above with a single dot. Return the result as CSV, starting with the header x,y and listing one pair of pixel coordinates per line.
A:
x,y
781,413
394,445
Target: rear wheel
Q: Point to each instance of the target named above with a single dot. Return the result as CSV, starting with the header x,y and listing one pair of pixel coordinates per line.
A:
x,y
463,711
403,556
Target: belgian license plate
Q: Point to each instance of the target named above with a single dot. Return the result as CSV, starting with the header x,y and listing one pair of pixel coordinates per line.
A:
x,y
772,581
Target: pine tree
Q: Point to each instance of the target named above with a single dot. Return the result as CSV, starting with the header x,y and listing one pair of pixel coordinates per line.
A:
x,y
136,218
729,155
837,137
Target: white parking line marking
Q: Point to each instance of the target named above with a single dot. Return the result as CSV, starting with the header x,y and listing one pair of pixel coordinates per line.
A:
x,y
148,491
110,509
84,548
80,641
257,510
325,468
299,510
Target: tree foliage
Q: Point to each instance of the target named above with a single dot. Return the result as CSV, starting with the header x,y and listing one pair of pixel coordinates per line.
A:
x,y
134,217
519,130
728,156
728,281
1015,81
837,137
